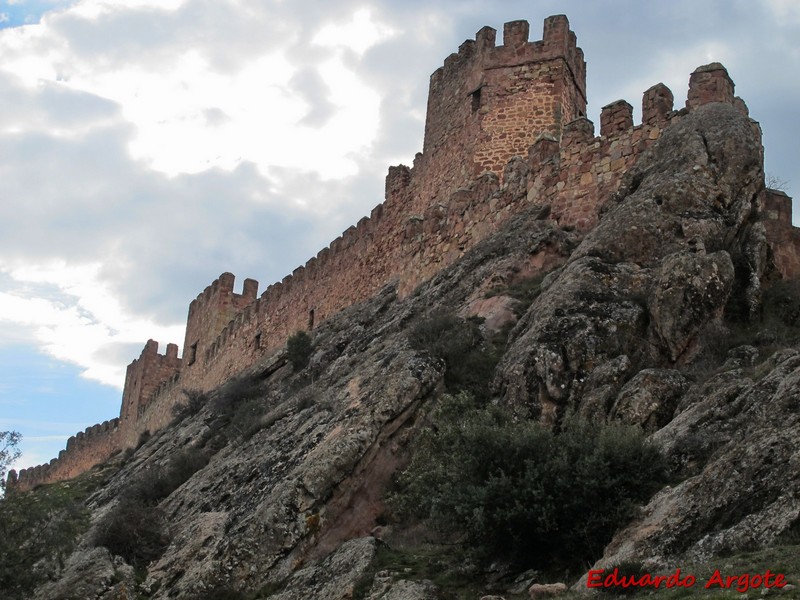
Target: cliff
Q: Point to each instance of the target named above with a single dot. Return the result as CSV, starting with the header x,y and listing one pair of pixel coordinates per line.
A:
x,y
642,276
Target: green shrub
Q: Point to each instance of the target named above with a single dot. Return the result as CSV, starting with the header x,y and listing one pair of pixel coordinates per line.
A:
x,y
626,569
195,400
522,290
518,490
134,531
250,417
218,592
9,452
135,528
144,437
469,360
235,392
298,350
156,484
781,304
238,407
38,530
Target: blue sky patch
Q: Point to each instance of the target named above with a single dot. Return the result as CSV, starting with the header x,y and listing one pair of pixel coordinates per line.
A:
x,y
28,12
47,401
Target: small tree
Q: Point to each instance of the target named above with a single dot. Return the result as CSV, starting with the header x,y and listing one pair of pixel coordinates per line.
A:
x,y
298,349
9,452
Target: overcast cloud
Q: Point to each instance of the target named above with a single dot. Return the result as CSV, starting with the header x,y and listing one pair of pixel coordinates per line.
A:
x,y
146,146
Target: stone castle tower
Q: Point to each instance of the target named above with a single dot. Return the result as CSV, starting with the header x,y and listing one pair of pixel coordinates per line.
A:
x,y
506,129
489,103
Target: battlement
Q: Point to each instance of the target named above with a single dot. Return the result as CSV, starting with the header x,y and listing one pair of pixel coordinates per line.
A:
x,y
776,213
210,312
84,450
709,83
482,53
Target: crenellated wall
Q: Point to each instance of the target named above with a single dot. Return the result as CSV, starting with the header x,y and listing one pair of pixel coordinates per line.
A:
x,y
506,130
84,450
209,314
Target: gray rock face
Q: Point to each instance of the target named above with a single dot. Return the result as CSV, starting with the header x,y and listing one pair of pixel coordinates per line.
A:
x,y
334,577
385,587
742,439
650,398
584,320
290,505
689,291
656,269
91,574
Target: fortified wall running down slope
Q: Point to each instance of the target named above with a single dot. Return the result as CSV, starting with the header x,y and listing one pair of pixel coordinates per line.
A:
x,y
498,116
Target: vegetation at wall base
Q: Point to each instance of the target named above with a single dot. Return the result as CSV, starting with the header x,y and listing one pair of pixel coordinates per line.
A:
x,y
195,401
523,290
776,327
446,566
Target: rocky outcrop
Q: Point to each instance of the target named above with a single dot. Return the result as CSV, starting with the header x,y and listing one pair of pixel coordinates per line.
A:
x,y
661,264
650,398
92,574
334,577
385,587
738,439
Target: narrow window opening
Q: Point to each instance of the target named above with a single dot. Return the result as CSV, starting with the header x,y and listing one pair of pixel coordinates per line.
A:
x,y
311,319
193,353
258,341
476,100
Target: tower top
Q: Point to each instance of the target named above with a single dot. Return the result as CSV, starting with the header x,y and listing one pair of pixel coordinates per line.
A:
x,y
488,103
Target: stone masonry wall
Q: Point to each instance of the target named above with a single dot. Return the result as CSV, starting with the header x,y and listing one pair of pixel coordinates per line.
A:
x,y
84,450
783,237
144,376
515,156
395,244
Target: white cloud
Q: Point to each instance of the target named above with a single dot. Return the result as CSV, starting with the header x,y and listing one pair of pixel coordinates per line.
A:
x,y
79,317
167,100
359,34
93,9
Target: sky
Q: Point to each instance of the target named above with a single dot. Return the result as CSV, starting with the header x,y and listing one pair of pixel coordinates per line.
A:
x,y
146,146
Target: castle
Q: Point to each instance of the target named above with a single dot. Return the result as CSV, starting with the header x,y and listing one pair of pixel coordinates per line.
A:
x,y
497,115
